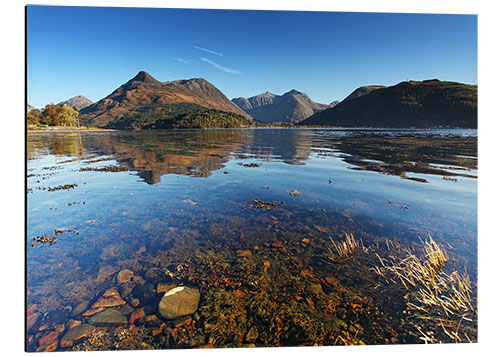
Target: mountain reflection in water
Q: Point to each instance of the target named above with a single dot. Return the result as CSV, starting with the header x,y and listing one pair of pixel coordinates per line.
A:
x,y
153,154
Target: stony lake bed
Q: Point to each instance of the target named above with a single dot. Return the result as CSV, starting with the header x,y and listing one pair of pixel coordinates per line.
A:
x,y
236,238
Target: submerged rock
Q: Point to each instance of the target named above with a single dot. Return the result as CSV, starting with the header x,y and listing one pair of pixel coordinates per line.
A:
x,y
109,317
137,315
105,272
93,311
153,273
125,276
244,253
31,319
163,287
49,338
152,320
138,279
75,334
126,309
48,347
179,301
110,298
332,281
81,307
72,323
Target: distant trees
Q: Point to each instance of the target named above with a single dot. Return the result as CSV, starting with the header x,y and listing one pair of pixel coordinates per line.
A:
x,y
35,116
180,115
54,115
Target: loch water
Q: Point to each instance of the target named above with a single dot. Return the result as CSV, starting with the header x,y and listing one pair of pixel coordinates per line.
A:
x,y
247,217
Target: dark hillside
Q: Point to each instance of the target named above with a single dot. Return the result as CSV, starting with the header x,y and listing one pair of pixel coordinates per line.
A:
x,y
424,104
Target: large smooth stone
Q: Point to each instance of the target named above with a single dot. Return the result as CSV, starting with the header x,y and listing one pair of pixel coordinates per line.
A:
x,y
126,309
108,317
179,301
75,334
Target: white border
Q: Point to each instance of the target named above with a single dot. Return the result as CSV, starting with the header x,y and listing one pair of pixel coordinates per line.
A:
x,y
12,149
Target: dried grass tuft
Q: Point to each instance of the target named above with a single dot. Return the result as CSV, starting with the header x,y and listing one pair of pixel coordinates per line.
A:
x,y
346,248
432,294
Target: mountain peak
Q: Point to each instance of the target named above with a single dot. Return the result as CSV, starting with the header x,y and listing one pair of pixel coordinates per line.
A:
x,y
144,90
144,77
292,107
79,101
199,80
184,81
197,85
293,92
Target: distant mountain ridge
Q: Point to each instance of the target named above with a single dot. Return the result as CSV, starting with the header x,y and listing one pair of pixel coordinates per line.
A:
x,y
424,104
78,102
291,107
255,101
143,90
361,91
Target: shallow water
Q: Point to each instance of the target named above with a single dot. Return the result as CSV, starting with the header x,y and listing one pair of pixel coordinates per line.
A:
x,y
176,207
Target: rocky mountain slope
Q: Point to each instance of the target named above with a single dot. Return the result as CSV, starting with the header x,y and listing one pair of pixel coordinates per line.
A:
x,y
291,107
423,104
143,90
78,102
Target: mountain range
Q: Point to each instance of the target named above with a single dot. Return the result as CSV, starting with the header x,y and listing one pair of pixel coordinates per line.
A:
x,y
144,90
143,100
291,107
429,103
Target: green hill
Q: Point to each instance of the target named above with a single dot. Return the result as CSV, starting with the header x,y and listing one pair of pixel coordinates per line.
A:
x,y
181,115
424,104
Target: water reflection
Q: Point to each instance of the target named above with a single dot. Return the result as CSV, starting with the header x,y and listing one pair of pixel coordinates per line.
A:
x,y
39,145
406,153
154,154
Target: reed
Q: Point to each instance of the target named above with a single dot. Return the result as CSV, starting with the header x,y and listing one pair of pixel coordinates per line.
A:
x,y
451,293
413,271
431,293
347,247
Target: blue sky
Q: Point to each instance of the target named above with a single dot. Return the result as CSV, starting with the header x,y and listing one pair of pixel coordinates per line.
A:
x,y
91,51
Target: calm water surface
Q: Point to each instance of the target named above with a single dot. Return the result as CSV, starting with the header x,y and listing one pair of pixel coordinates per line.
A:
x,y
177,207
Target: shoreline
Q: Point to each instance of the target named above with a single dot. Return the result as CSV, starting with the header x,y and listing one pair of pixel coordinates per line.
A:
x,y
69,129
87,129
